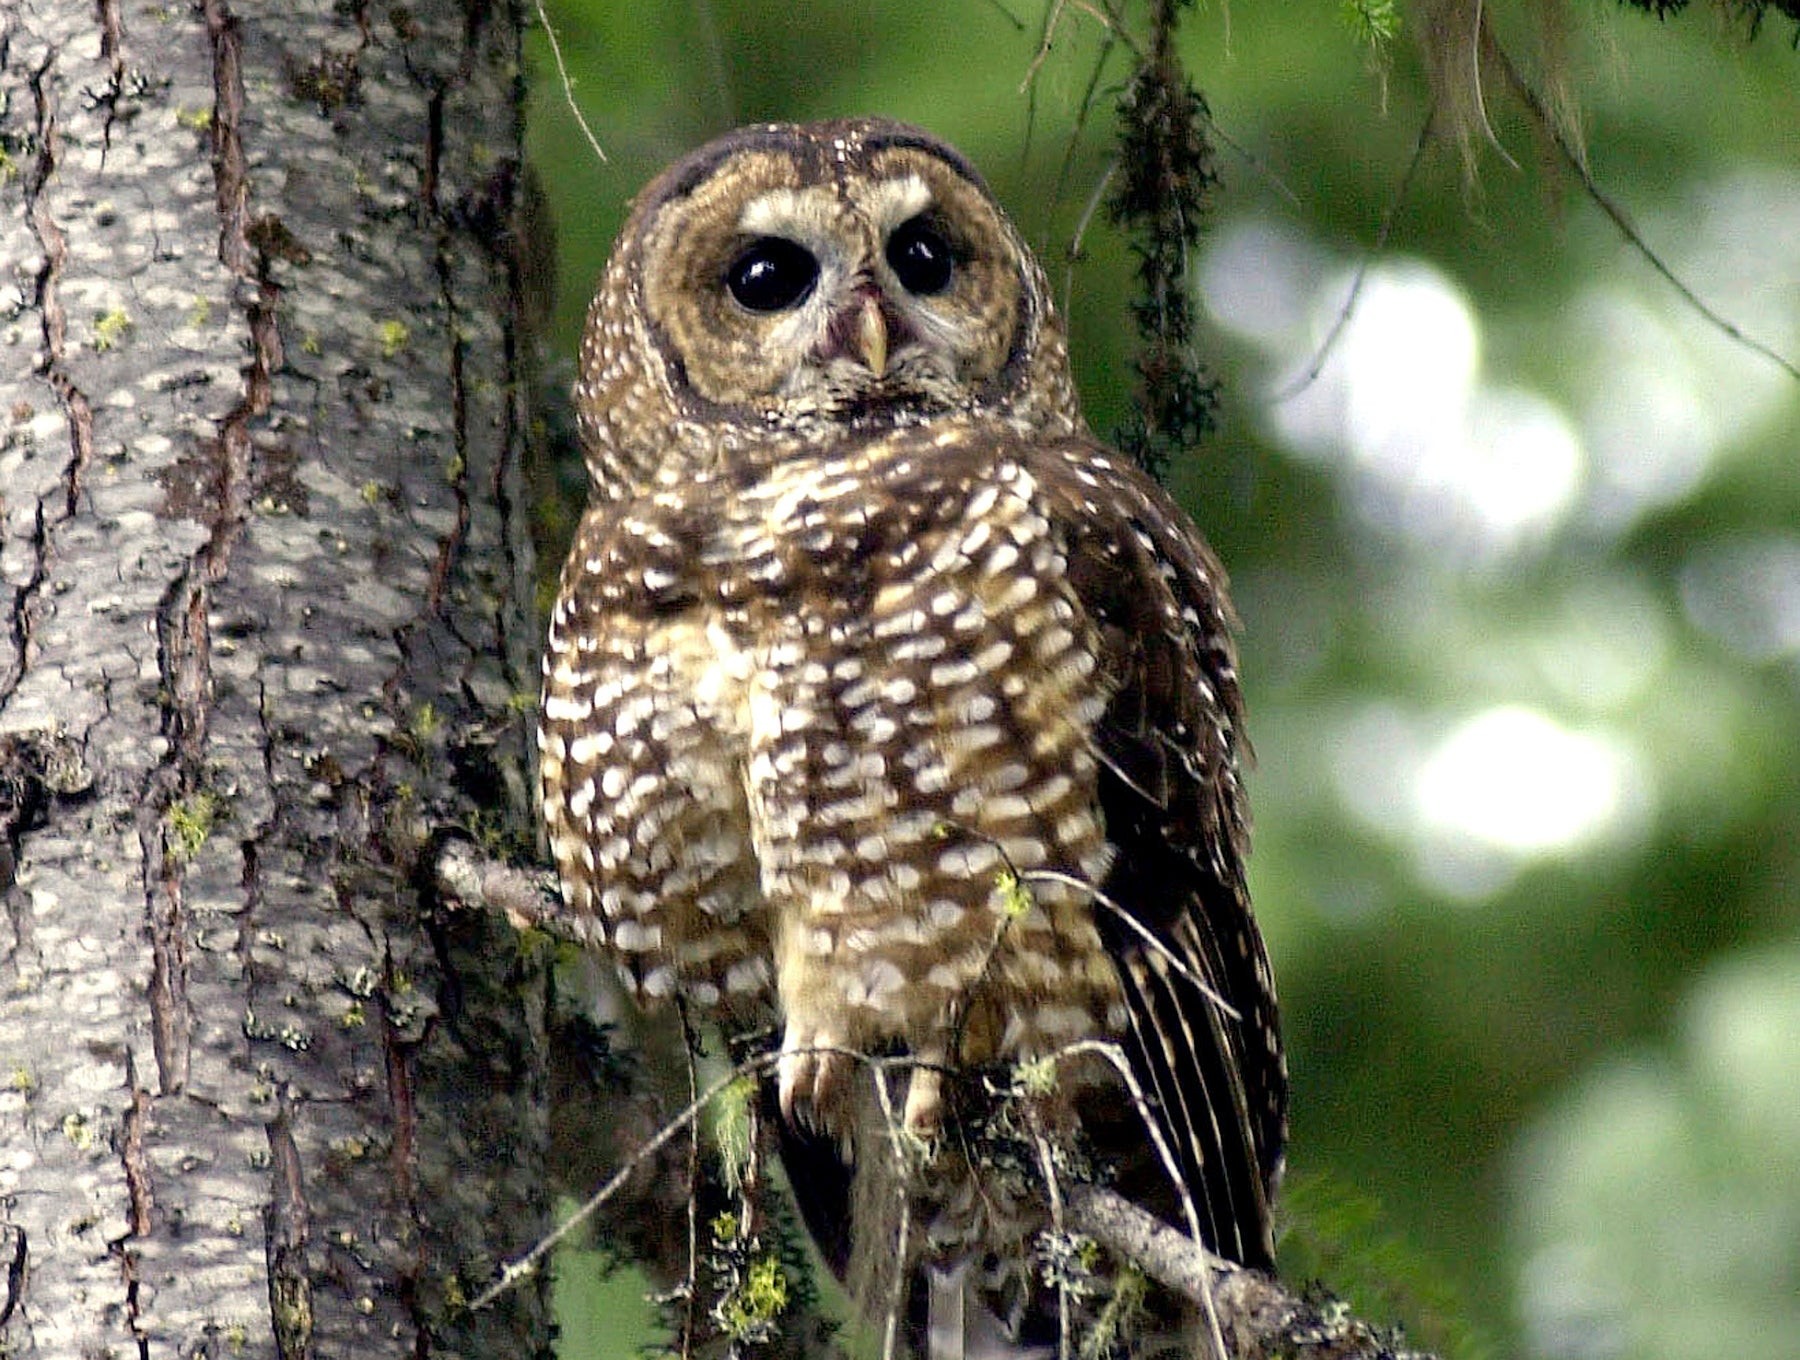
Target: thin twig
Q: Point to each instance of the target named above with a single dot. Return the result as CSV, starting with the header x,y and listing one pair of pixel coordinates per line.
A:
x,y
1053,1188
1250,158
899,1285
890,1337
1050,22
568,85
1011,18
1081,226
1616,214
1112,17
514,1271
1317,366
1082,110
1148,936
1113,1054
689,1042
715,59
1110,23
1108,41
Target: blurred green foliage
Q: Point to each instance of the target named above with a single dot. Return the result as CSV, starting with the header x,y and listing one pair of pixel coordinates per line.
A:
x,y
1520,579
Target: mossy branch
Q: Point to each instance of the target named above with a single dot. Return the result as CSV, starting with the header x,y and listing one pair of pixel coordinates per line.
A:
x,y
1257,1316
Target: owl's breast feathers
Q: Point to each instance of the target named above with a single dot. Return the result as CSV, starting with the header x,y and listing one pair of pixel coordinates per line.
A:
x,y
805,740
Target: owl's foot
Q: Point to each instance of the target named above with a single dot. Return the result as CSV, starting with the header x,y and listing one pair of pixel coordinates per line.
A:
x,y
924,1117
813,1080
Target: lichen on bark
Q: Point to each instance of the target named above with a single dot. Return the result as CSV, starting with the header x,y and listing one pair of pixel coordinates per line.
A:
x,y
273,1103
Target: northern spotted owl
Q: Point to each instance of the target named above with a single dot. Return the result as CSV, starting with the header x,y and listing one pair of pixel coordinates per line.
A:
x,y
886,706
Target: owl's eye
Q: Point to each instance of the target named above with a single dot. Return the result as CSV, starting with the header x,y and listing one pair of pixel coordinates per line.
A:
x,y
772,275
920,257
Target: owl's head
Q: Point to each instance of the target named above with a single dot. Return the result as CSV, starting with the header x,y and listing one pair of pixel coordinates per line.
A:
x,y
794,283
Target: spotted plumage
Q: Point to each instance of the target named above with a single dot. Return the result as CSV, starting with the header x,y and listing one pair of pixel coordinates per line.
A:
x,y
885,704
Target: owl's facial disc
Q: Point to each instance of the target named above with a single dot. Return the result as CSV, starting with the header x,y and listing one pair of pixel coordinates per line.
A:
x,y
887,295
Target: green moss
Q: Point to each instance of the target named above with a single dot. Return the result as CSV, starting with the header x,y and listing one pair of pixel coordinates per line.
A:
x,y
425,722
1118,1315
1036,1076
191,821
749,1313
110,328
395,337
1376,23
731,1125
291,1312
1015,897
351,1149
501,835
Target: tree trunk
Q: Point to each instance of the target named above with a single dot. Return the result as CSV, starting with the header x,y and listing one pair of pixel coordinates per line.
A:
x,y
265,585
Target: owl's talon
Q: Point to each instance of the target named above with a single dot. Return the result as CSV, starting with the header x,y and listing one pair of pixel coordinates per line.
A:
x,y
924,1116
812,1081
831,1085
793,1070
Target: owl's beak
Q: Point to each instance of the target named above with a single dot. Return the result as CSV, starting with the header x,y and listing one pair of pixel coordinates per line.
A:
x,y
869,339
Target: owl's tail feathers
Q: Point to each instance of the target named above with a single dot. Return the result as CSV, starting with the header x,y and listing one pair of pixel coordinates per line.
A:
x,y
858,1203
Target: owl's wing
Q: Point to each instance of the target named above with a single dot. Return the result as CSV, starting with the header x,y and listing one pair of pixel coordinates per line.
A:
x,y
1175,913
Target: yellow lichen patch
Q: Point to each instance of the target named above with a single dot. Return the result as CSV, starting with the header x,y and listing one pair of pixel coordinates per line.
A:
x,y
191,821
110,328
395,337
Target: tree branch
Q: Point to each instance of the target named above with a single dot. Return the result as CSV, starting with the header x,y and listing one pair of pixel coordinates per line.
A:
x,y
526,897
1259,1316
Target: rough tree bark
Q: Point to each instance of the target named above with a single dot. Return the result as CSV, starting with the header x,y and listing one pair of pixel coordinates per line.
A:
x,y
265,589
